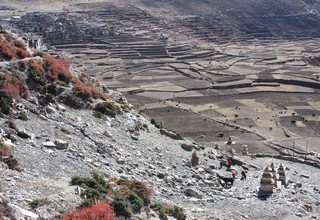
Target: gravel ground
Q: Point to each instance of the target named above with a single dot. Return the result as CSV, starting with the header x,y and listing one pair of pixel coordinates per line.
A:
x,y
115,148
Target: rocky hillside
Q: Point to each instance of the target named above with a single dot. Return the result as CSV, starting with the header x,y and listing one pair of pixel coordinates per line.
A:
x,y
69,143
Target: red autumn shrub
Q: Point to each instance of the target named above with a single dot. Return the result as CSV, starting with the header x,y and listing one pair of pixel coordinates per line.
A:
x,y
36,66
13,86
87,91
11,90
5,150
99,211
58,69
21,53
7,50
24,91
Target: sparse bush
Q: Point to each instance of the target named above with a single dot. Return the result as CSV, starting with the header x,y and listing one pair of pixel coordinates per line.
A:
x,y
12,163
141,189
99,211
160,210
23,116
12,125
108,108
72,101
64,130
164,210
176,212
37,72
97,114
136,202
121,208
38,202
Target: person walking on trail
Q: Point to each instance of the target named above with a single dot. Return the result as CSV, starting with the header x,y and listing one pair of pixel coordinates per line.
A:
x,y
243,175
229,162
221,164
234,174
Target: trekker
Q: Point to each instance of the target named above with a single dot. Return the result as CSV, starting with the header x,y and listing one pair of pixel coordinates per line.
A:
x,y
234,174
243,175
229,162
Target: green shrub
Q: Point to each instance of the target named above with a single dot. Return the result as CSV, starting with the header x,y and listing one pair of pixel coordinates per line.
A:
x,y
23,116
12,163
164,210
108,108
11,125
37,72
135,201
158,208
97,114
5,103
121,208
177,213
38,202
95,188
142,190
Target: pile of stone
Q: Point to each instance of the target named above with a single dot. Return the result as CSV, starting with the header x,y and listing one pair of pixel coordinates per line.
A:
x,y
272,178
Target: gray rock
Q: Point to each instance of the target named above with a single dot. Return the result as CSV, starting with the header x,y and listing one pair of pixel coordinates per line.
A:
x,y
61,144
121,160
107,134
170,134
304,175
134,137
193,193
187,147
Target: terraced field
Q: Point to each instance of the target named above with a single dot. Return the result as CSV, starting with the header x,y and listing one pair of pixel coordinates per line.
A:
x,y
197,75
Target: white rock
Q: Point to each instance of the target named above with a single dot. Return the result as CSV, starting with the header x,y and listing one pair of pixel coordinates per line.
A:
x,y
49,144
24,212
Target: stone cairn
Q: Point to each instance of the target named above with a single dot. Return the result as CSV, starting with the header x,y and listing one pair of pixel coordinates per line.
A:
x,y
271,179
267,182
244,150
282,175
